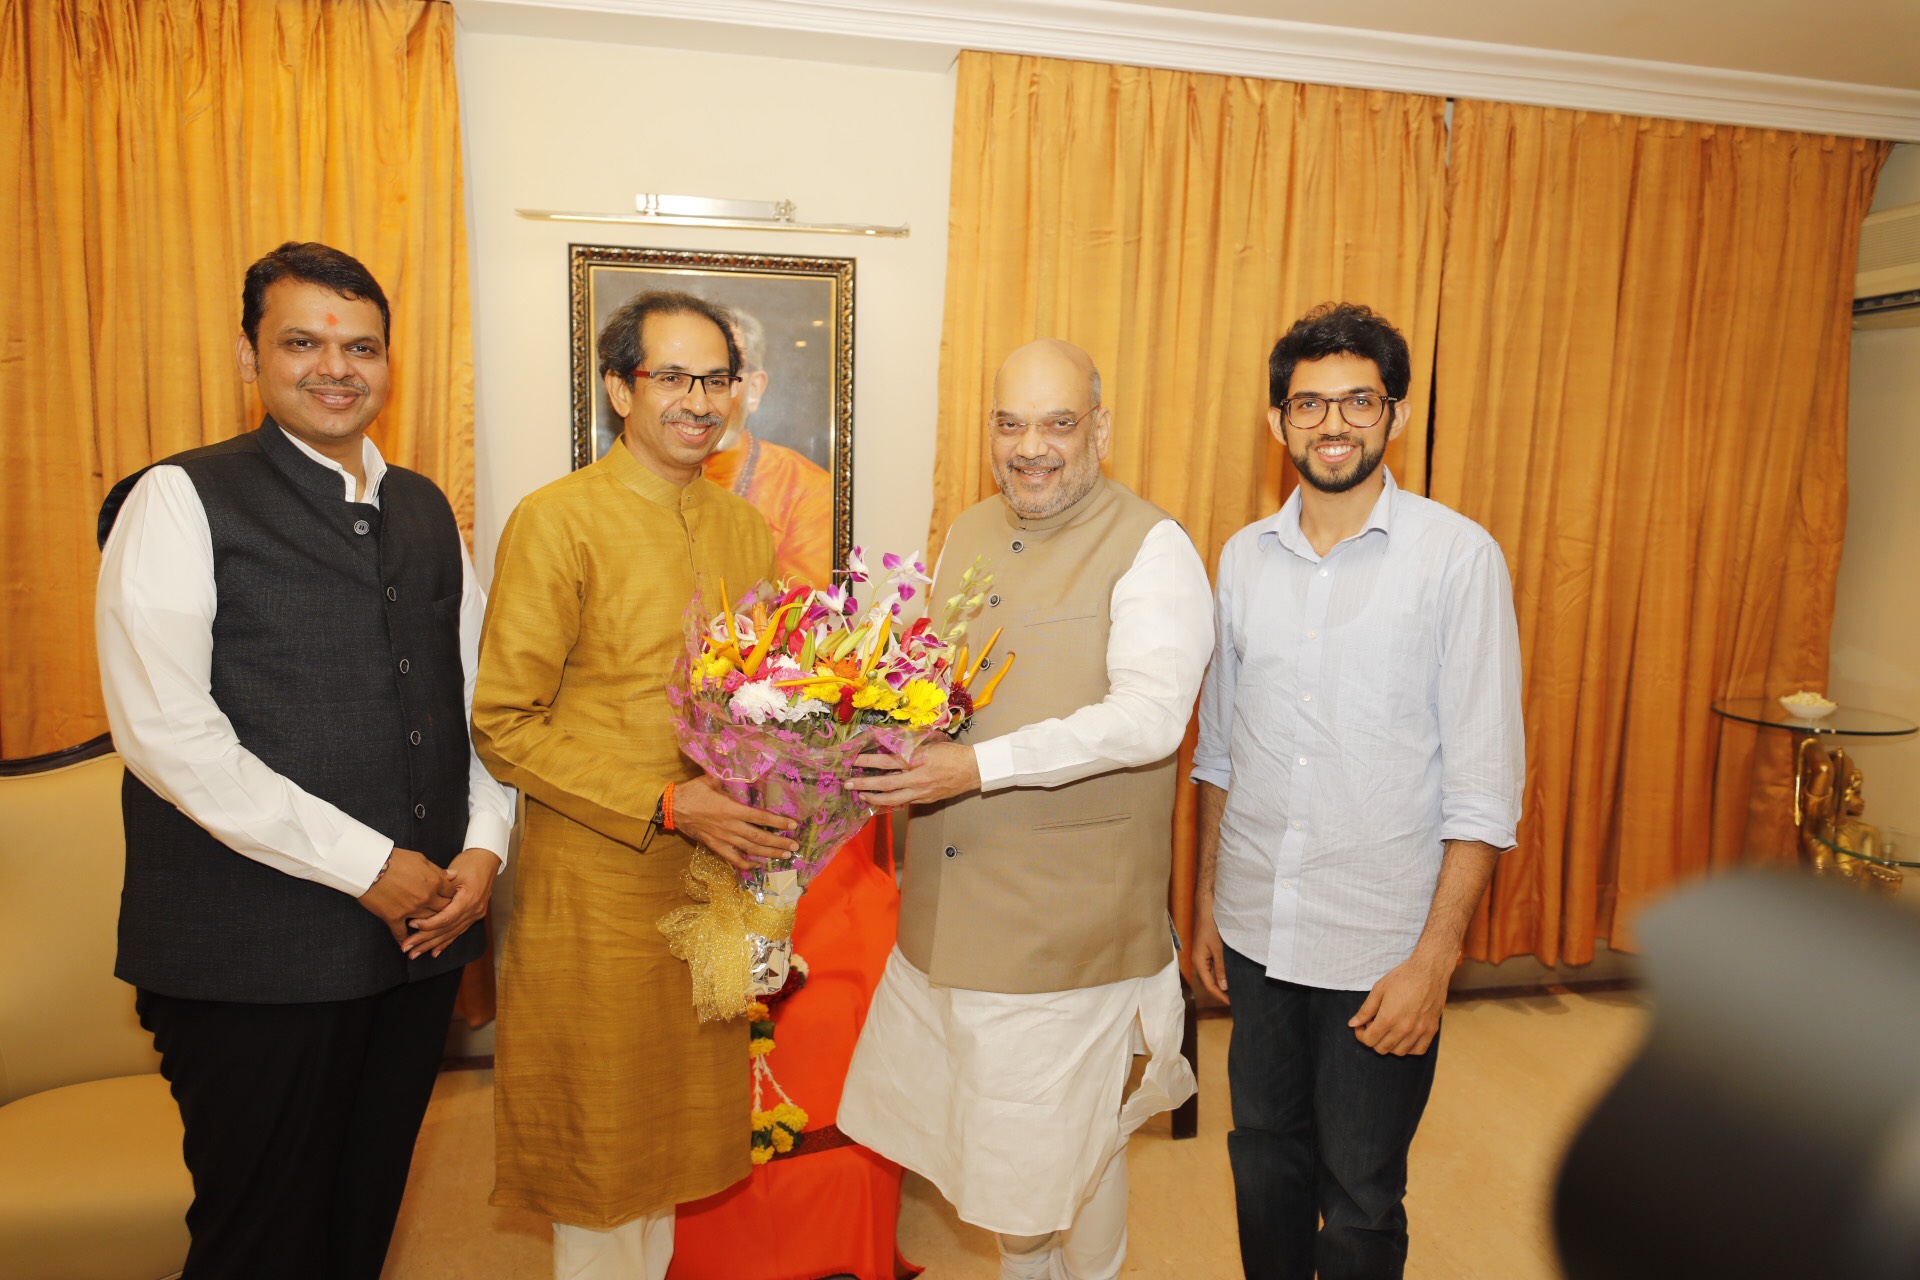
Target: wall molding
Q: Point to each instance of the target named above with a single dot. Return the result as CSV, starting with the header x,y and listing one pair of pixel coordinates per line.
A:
x,y
928,34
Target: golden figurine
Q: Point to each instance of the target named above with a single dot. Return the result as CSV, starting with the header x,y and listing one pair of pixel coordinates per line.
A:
x,y
1813,806
1833,838
1851,836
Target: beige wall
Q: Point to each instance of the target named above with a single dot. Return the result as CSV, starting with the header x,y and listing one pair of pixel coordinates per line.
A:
x,y
559,124
1876,626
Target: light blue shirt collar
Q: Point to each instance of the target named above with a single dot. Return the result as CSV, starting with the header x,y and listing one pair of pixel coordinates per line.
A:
x,y
1283,526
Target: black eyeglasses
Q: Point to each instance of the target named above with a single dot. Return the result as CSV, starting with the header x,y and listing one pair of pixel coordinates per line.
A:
x,y
676,383
1362,409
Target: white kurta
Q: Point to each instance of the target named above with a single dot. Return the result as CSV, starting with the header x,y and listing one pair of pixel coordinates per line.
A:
x,y
1012,1104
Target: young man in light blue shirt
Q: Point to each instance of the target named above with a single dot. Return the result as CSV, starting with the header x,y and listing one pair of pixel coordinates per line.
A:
x,y
1361,765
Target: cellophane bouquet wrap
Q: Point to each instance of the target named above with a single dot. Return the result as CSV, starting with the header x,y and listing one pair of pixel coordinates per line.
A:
x,y
777,693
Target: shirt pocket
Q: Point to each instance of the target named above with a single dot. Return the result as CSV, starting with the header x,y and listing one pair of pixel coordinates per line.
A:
x,y
1084,824
1066,632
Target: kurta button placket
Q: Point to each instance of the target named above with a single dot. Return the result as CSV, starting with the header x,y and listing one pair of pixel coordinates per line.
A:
x,y
392,594
1018,546
951,852
419,811
361,526
993,601
414,738
405,666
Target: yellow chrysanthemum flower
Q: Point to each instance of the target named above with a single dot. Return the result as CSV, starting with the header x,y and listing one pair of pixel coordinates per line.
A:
x,y
921,703
759,1047
782,1141
762,1154
711,668
827,691
876,695
757,1012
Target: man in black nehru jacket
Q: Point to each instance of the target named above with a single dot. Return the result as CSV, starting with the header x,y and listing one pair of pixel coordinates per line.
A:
x,y
287,630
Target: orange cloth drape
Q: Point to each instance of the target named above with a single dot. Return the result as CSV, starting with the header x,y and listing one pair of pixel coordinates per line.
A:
x,y
1642,394
158,147
826,1209
1174,224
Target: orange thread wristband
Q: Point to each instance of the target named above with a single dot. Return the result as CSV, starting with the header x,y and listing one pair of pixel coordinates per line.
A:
x,y
666,808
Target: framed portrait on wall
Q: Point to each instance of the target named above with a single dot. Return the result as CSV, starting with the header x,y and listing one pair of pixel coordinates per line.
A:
x,y
788,446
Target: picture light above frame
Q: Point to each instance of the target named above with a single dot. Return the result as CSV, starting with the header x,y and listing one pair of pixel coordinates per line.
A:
x,y
700,211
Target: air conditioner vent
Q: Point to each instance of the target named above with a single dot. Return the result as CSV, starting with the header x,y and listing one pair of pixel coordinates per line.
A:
x,y
1890,239
1886,283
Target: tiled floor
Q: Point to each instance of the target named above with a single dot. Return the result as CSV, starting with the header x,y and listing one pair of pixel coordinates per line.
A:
x,y
1514,1078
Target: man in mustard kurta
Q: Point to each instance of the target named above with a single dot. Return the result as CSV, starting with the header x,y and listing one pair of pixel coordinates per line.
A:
x,y
612,1102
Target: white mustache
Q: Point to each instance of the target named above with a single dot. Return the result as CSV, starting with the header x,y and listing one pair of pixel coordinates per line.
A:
x,y
698,420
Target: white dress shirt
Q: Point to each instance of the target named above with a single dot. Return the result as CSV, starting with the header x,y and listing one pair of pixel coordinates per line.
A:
x,y
1362,709
1162,632
153,622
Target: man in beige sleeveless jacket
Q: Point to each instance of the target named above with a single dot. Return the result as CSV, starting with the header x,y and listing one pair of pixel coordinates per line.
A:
x,y
1035,954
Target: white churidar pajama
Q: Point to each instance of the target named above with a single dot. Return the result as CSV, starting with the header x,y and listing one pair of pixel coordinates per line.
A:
x,y
636,1250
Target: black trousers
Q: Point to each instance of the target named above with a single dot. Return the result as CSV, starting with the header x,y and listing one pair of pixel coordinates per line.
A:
x,y
1321,1127
300,1121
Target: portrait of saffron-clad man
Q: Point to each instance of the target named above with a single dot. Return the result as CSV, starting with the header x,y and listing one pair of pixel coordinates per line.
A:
x,y
1360,766
288,631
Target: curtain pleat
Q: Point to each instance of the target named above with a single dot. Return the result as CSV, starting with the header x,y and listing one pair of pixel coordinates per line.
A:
x,y
160,146
1643,345
1174,224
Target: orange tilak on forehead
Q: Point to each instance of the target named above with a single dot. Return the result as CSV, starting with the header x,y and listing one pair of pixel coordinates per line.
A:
x,y
332,319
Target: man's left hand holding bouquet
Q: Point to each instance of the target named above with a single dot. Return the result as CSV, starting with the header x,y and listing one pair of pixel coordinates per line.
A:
x,y
938,771
744,837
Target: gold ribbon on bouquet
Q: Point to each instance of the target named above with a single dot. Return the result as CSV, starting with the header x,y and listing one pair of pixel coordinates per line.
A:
x,y
712,937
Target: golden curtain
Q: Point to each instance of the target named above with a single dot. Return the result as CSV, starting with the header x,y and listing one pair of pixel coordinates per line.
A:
x,y
1643,346
159,146
1174,224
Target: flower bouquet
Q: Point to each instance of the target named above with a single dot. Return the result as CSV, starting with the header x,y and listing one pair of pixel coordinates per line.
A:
x,y
776,694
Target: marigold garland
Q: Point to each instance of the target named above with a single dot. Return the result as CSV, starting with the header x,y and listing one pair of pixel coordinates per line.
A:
x,y
776,1129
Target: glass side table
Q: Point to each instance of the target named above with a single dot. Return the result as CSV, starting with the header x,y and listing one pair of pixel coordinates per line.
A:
x,y
1872,857
1828,789
1844,722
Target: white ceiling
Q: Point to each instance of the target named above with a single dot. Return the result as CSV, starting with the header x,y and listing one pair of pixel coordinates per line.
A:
x,y
1849,67
1851,41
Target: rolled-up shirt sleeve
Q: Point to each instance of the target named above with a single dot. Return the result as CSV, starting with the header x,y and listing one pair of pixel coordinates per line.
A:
x,y
1483,751
1161,634
1212,761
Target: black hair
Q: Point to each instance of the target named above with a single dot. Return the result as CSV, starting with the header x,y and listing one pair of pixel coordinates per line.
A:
x,y
620,352
309,263
1336,328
